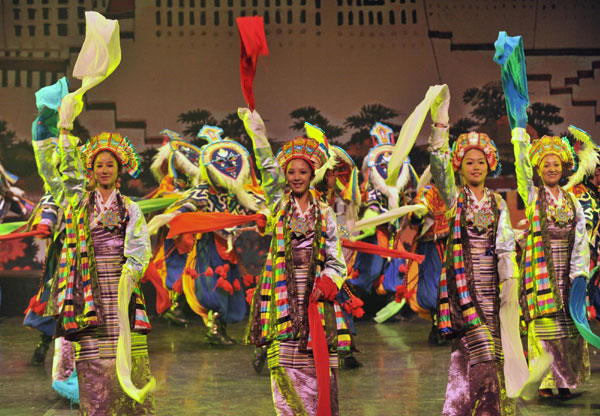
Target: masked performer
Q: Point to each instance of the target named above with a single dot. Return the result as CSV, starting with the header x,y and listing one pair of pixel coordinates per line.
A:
x,y
176,168
430,240
479,259
296,292
338,181
374,270
228,185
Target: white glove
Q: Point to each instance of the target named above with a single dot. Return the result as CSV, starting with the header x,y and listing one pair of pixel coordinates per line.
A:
x,y
158,221
439,108
254,126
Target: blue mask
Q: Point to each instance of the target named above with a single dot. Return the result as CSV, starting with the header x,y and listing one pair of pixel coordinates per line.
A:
x,y
227,161
381,164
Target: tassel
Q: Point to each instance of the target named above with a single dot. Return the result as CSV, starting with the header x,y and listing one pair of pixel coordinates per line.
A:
x,y
236,285
248,280
209,272
249,295
225,285
178,287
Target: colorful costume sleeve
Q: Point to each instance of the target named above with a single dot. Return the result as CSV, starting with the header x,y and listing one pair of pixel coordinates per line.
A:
x,y
441,168
272,179
523,168
137,243
191,201
50,211
579,264
72,169
335,265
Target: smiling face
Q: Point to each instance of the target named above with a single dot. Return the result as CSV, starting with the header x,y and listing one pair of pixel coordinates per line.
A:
x,y
550,170
228,162
474,167
298,176
106,170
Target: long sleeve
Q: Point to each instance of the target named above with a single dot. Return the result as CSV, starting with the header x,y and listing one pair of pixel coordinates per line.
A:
x,y
43,151
335,266
272,180
137,243
441,168
72,169
191,201
523,168
505,246
580,255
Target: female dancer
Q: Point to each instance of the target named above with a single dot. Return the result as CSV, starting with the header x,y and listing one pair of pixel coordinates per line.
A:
x,y
480,256
562,256
297,290
105,253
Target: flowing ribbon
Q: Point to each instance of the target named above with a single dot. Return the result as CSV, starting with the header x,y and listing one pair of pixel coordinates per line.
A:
x,y
381,251
206,222
410,131
252,44
321,355
123,363
100,55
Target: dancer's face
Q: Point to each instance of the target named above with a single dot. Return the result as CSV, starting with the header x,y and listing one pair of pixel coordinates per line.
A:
x,y
550,170
106,170
474,167
298,176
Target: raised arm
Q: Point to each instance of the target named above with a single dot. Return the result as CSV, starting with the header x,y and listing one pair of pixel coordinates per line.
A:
x,y
272,180
441,168
523,168
72,170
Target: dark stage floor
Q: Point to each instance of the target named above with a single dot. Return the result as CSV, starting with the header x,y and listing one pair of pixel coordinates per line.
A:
x,y
402,375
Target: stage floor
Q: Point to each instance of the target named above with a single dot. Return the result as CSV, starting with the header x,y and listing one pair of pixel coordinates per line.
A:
x,y
401,375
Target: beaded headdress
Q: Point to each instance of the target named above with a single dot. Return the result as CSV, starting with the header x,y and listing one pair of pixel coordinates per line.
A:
x,y
310,150
552,145
480,141
119,146
175,156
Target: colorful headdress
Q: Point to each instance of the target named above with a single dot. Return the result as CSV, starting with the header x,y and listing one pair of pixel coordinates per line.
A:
x,y
474,140
383,146
588,157
552,145
176,156
314,132
119,146
310,150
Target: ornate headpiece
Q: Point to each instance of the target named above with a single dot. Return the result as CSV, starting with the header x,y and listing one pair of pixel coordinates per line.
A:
x,y
474,140
119,146
310,150
552,145
175,155
588,156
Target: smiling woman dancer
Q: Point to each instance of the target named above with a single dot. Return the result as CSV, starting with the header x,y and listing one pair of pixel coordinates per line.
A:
x,y
480,256
107,247
303,272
